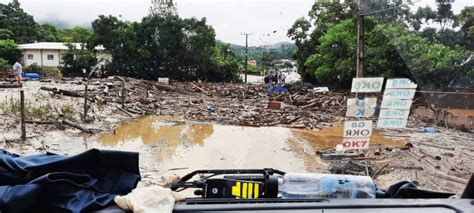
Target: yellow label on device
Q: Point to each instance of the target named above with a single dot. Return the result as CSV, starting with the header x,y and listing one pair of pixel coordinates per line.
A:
x,y
244,190
236,190
250,191
257,192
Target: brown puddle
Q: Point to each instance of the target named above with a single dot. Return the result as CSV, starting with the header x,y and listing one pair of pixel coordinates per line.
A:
x,y
154,129
168,143
332,136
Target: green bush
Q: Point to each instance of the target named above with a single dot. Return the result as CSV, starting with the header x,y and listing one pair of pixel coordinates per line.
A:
x,y
51,72
4,64
33,68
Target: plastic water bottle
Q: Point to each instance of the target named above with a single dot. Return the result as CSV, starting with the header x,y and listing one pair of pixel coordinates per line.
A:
x,y
318,186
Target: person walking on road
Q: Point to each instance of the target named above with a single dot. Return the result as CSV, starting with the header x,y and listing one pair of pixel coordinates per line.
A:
x,y
18,70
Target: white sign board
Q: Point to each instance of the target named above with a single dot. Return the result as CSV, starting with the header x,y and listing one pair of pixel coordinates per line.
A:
x,y
361,108
391,123
400,83
357,129
403,94
396,104
364,85
355,143
394,113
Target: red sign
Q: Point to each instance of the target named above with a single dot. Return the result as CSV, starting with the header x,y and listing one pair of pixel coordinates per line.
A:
x,y
355,143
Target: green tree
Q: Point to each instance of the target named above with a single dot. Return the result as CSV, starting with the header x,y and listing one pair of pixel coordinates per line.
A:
x,y
76,35
49,33
161,46
321,15
76,59
23,26
6,34
9,51
432,65
465,20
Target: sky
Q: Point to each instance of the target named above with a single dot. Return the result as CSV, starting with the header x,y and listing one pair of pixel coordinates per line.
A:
x,y
230,18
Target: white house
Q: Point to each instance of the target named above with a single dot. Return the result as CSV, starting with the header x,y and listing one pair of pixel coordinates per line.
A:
x,y
48,54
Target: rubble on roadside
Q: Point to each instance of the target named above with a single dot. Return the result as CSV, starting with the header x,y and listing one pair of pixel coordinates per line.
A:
x,y
236,104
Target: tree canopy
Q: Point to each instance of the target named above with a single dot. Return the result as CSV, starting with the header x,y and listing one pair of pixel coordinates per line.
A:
x,y
398,43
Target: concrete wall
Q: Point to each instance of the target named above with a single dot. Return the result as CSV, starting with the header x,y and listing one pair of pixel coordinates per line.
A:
x,y
36,57
40,57
453,100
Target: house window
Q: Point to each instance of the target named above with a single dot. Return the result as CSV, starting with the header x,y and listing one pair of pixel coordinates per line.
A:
x,y
50,57
30,56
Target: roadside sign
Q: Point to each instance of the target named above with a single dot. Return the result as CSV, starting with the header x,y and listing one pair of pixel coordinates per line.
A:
x,y
400,83
403,94
396,104
394,113
361,108
384,123
364,85
355,143
357,129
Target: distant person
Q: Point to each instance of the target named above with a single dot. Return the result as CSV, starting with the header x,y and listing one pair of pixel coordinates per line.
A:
x,y
18,70
283,79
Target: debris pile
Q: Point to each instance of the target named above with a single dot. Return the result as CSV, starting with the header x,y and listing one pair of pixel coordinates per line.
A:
x,y
235,104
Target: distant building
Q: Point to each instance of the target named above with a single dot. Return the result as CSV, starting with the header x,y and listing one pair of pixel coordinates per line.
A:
x,y
49,54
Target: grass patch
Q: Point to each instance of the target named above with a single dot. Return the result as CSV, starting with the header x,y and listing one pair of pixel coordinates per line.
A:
x,y
35,111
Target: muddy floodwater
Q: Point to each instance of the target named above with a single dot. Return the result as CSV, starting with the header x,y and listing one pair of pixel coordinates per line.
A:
x,y
169,145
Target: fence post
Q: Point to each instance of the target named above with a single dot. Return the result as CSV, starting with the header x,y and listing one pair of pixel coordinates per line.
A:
x,y
85,104
123,94
22,114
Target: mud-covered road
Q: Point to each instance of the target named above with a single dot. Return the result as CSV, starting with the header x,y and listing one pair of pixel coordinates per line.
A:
x,y
173,145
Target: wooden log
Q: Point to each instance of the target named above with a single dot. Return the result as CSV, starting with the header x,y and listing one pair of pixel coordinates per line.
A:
x,y
6,86
436,157
379,171
41,122
62,92
197,87
312,103
407,167
71,124
436,146
124,111
338,156
444,176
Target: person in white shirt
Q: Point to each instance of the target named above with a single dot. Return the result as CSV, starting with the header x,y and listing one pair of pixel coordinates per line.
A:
x,y
18,70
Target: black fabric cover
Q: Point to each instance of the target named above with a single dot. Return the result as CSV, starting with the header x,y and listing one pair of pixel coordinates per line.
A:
x,y
58,183
406,190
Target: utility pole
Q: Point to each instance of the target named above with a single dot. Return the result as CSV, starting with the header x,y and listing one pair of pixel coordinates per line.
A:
x,y
360,46
246,53
361,9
